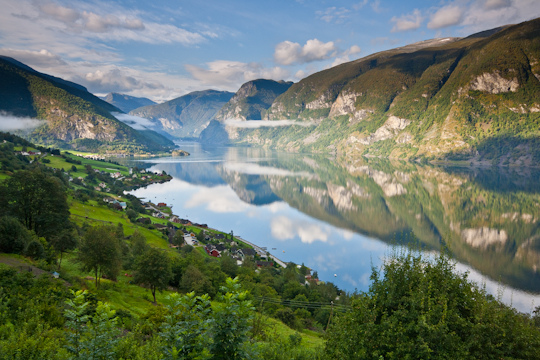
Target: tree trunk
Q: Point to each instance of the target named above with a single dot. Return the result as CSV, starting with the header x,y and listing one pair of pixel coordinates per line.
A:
x,y
154,293
60,263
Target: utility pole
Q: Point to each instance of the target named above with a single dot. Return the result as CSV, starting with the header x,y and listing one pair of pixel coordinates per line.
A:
x,y
331,313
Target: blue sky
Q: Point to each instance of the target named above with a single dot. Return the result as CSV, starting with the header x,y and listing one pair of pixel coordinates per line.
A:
x,y
164,49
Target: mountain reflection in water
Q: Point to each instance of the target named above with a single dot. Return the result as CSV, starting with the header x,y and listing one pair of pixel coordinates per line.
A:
x,y
341,217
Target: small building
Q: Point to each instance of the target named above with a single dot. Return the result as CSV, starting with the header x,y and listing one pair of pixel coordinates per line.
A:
x,y
161,204
261,264
55,275
248,252
97,188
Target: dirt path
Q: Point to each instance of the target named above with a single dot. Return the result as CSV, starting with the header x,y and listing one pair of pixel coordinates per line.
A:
x,y
21,265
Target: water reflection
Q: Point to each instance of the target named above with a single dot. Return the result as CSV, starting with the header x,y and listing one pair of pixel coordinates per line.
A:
x,y
340,216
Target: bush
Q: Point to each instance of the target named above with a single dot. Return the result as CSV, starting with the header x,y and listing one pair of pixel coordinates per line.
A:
x,y
420,308
13,235
35,250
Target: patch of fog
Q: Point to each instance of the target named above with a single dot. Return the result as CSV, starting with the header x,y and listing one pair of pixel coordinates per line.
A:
x,y
136,122
9,122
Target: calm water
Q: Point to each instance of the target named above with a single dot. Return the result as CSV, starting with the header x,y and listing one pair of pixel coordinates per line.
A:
x,y
340,217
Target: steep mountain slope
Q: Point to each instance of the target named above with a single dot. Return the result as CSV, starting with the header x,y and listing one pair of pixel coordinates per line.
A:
x,y
127,103
476,98
253,99
74,117
187,115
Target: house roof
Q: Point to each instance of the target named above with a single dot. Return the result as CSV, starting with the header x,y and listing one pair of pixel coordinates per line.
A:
x,y
247,251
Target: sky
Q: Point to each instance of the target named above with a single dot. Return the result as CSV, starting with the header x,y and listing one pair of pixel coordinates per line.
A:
x,y
165,49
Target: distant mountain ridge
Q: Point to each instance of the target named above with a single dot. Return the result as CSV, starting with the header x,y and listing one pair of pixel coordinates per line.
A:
x,y
185,116
253,99
74,117
126,103
475,99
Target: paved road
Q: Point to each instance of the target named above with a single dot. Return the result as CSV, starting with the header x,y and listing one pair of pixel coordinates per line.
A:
x,y
258,248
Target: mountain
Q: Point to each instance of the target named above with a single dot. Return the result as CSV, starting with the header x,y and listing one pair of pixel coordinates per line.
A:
x,y
185,116
475,99
48,77
127,103
253,99
74,117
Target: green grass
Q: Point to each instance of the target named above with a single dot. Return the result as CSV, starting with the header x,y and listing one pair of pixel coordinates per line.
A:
x,y
310,339
99,214
61,163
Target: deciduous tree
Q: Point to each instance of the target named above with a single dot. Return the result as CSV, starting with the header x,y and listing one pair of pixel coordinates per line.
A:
x,y
153,269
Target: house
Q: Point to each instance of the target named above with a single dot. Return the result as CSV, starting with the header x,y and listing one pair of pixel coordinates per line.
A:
x,y
220,247
219,236
174,219
192,234
143,178
261,264
248,252
55,275
109,199
161,205
115,175
117,206
134,176
97,188
185,222
143,171
102,185
158,215
123,205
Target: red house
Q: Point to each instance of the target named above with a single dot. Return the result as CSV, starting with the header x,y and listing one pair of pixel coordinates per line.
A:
x,y
161,205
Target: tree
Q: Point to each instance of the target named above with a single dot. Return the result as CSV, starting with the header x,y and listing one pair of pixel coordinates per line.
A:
x,y
419,308
153,269
231,323
200,236
64,242
131,215
100,252
178,238
185,329
37,200
73,168
13,235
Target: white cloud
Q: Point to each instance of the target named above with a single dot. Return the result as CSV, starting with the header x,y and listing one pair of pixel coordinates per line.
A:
x,y
255,124
9,122
43,58
360,5
136,122
407,22
283,228
497,4
231,74
376,6
344,56
219,199
287,52
333,13
446,16
114,80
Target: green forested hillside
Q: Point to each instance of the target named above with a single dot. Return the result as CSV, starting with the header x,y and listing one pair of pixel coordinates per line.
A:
x,y
74,117
475,98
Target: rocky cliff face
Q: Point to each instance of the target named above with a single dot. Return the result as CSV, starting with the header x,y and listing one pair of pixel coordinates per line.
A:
x,y
252,100
475,98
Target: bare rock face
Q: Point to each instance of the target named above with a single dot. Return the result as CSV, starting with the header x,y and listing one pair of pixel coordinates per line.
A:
x,y
483,237
341,197
388,184
391,128
320,103
319,195
494,83
344,104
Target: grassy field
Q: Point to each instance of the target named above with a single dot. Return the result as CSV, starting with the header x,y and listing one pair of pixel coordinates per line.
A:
x,y
97,213
61,163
